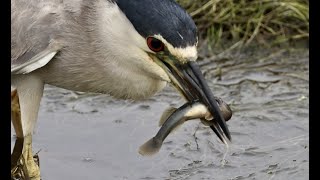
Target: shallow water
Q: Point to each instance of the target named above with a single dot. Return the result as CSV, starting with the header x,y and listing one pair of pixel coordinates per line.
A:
x,y
86,136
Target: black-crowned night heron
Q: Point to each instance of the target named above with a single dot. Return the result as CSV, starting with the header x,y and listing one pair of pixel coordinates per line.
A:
x,y
126,48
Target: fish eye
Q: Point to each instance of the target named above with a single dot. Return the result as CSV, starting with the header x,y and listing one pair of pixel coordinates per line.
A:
x,y
155,44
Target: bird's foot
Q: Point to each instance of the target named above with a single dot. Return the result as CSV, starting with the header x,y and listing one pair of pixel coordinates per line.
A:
x,y
32,167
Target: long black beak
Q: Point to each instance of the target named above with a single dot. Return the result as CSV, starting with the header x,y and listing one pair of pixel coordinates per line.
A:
x,y
188,79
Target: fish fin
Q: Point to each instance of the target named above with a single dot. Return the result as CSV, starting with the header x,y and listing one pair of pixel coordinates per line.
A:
x,y
166,114
150,147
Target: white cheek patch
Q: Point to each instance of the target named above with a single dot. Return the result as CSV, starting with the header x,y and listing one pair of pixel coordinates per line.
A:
x,y
186,54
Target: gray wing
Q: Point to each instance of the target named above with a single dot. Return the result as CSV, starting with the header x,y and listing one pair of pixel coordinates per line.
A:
x,y
36,62
34,34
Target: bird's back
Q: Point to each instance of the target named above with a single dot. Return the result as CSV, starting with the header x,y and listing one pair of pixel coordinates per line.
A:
x,y
33,23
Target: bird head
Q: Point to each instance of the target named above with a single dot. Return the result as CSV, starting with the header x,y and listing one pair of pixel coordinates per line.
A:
x,y
161,41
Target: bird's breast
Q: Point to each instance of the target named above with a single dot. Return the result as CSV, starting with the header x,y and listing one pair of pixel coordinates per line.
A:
x,y
87,76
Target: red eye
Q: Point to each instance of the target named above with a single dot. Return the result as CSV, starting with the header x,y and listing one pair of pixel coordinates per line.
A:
x,y
155,44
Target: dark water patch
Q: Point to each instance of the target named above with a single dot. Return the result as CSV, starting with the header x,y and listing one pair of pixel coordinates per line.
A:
x,y
249,176
144,107
118,121
254,153
147,178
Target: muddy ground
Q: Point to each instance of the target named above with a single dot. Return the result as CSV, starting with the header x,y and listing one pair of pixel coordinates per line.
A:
x,y
87,136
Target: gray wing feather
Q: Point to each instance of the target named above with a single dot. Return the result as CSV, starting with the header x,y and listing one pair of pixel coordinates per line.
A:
x,y
34,33
34,63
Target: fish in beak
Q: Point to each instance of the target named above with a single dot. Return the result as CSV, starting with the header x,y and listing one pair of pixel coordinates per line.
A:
x,y
173,117
188,79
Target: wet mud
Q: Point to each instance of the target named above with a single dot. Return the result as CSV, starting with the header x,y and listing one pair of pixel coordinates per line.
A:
x,y
88,136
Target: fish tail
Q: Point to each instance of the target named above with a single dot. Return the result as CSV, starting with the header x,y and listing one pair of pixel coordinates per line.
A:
x,y
150,147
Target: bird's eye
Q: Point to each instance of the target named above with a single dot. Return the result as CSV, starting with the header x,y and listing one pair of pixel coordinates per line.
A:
x,y
155,44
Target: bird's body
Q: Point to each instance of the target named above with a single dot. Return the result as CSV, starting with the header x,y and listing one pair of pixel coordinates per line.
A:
x,y
87,60
126,48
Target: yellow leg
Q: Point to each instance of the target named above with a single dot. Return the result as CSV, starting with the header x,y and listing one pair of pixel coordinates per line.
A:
x,y
33,170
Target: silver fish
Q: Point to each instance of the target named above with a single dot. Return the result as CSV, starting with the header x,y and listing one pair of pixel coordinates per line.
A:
x,y
174,117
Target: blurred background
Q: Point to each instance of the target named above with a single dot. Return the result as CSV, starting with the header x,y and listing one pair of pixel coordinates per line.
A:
x,y
243,22
255,56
